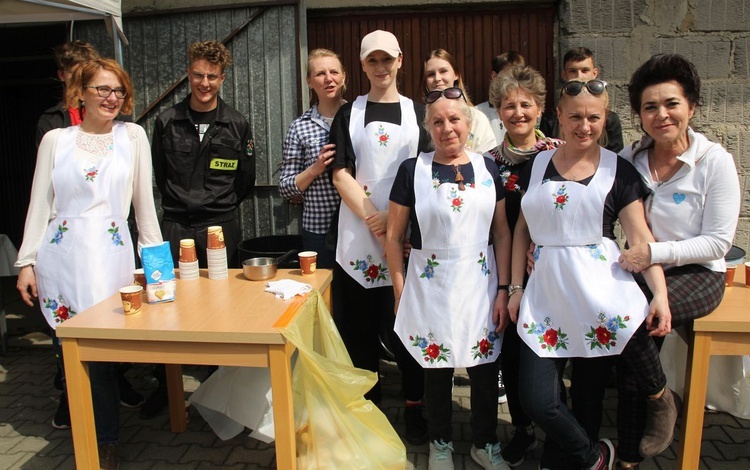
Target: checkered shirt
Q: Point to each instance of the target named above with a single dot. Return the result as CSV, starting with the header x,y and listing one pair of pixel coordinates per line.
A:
x,y
304,139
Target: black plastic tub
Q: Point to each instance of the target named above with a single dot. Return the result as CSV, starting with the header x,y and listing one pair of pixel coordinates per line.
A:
x,y
272,246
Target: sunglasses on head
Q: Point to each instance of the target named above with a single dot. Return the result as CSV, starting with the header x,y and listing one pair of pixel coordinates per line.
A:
x,y
575,87
452,93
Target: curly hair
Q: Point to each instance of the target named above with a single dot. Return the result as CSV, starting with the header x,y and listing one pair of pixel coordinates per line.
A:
x,y
85,72
211,51
518,77
662,68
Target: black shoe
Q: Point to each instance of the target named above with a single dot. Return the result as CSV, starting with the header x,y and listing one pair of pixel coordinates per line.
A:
x,y
129,398
62,416
155,403
523,441
109,458
416,425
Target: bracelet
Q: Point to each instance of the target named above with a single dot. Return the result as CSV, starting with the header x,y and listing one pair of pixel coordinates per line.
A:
x,y
513,289
502,287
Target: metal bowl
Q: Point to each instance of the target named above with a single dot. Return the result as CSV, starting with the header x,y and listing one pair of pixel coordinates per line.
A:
x,y
259,269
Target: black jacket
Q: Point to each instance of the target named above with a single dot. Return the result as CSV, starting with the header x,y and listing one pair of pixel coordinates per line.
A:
x,y
550,127
202,182
56,117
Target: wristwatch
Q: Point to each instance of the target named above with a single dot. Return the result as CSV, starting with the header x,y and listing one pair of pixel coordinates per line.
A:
x,y
512,289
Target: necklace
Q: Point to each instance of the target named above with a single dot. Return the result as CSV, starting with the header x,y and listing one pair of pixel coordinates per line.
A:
x,y
667,176
459,177
571,176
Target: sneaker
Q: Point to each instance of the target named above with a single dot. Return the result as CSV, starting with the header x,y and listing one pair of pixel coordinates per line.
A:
x,y
501,395
155,403
129,398
489,458
416,425
108,457
523,441
441,456
660,421
606,456
62,416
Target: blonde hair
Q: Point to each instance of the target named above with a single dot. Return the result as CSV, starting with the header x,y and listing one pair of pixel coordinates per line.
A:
x,y
317,54
212,51
518,77
604,96
85,72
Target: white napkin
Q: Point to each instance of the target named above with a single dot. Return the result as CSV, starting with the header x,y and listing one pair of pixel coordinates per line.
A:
x,y
287,288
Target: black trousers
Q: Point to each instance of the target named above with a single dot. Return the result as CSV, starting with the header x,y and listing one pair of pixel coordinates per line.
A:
x,y
174,232
362,316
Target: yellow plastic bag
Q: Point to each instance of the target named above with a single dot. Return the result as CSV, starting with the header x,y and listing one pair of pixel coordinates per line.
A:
x,y
336,427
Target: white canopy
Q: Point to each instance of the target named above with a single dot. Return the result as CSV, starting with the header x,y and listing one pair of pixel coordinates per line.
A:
x,y
46,11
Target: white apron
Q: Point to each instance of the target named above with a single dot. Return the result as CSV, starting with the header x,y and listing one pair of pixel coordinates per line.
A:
x,y
87,253
579,302
445,315
379,148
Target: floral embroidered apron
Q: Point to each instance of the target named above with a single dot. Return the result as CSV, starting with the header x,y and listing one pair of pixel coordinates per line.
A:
x,y
86,254
579,302
445,314
380,147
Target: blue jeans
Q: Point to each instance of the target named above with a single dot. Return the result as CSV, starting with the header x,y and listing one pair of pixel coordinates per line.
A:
x,y
312,241
540,398
105,393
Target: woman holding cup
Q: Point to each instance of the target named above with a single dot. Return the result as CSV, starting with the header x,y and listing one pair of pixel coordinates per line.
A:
x,y
692,211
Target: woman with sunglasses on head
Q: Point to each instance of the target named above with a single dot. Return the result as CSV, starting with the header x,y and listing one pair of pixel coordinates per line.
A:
x,y
578,301
76,249
373,135
517,94
453,201
692,210
440,73
307,153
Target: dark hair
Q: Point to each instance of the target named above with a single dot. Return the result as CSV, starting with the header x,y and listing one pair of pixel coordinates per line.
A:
x,y
577,54
662,68
507,59
211,51
85,72
72,53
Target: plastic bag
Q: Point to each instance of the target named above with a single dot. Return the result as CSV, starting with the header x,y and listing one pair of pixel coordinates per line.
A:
x,y
728,386
336,427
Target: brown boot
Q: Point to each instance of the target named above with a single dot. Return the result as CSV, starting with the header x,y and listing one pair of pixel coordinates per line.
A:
x,y
662,416
108,457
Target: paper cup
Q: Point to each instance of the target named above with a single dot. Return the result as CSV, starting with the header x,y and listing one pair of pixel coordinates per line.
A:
x,y
730,275
187,251
215,238
308,261
139,278
131,299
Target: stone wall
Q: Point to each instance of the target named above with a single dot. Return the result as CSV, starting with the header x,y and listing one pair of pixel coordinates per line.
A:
x,y
713,34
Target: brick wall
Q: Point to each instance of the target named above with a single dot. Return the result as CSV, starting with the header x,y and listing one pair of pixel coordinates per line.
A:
x,y
713,34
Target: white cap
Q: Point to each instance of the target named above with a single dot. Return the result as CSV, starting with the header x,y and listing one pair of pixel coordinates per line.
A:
x,y
379,41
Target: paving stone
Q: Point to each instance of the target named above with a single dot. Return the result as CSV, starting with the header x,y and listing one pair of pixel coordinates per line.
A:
x,y
206,454
170,453
8,443
260,457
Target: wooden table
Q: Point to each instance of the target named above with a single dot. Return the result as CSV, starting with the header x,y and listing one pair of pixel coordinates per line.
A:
x,y
725,332
229,322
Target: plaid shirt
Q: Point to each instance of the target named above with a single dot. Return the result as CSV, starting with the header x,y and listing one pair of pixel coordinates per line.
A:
x,y
306,136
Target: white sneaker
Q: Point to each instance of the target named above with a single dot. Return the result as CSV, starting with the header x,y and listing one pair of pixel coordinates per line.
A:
x,y
489,458
441,456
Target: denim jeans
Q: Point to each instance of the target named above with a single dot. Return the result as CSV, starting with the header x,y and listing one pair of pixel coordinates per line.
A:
x,y
317,242
540,398
105,395
439,403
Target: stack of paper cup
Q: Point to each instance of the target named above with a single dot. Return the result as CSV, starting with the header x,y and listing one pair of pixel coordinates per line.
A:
x,y
216,254
188,259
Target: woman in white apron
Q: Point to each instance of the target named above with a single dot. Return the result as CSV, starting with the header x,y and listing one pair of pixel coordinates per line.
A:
x,y
692,211
77,249
450,308
578,301
373,135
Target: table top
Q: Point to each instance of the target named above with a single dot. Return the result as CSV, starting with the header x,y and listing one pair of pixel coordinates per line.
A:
x,y
232,310
733,314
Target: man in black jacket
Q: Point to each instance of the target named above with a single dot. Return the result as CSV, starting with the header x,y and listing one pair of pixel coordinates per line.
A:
x,y
204,167
578,64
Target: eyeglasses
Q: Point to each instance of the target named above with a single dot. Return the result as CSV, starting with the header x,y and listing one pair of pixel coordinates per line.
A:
x,y
105,91
198,77
452,93
575,87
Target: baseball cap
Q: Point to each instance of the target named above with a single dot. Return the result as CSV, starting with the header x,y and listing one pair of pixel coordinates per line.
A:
x,y
379,41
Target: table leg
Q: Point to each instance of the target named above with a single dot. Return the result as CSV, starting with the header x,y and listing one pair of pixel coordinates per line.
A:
x,y
696,382
327,298
81,406
176,394
283,409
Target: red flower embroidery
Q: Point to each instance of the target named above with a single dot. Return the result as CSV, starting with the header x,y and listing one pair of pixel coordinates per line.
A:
x,y
484,346
603,335
62,312
433,351
456,202
510,185
372,272
561,199
384,138
550,337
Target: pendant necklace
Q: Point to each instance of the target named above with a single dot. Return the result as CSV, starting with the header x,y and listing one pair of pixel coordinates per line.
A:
x,y
459,178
